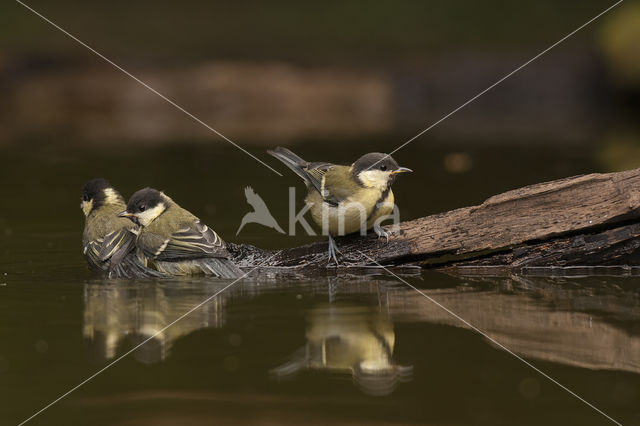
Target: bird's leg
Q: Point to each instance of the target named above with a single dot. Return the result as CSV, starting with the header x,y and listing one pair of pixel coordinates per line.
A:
x,y
333,249
380,232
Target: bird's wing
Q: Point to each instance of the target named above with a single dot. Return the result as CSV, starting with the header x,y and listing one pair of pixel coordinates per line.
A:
x,y
316,173
91,250
116,245
337,185
195,240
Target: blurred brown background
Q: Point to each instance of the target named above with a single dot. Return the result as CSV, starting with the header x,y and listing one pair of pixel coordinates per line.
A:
x,y
285,71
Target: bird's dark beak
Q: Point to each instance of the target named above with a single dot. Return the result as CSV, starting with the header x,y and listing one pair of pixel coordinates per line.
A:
x,y
401,170
126,214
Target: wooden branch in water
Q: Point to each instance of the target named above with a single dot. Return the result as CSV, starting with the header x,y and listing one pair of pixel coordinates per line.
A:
x,y
588,219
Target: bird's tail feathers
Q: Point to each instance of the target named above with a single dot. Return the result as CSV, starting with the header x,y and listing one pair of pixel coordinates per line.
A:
x,y
223,268
291,160
131,267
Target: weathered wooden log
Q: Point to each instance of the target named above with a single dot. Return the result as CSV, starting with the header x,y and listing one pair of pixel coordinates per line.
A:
x,y
582,220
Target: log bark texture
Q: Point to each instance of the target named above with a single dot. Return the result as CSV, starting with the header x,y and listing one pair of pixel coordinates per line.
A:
x,y
588,219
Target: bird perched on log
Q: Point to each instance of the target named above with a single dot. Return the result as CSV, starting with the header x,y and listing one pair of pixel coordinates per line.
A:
x,y
174,241
109,242
345,199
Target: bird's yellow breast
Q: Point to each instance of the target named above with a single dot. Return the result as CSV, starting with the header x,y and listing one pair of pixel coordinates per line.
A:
x,y
384,208
356,213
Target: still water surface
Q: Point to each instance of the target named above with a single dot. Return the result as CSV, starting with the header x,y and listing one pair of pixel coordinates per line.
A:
x,y
326,349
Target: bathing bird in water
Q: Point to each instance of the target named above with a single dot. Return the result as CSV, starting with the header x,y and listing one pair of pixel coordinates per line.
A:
x,y
174,241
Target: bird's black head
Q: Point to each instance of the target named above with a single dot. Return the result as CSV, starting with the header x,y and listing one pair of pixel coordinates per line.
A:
x,y
144,199
145,206
98,192
375,161
376,169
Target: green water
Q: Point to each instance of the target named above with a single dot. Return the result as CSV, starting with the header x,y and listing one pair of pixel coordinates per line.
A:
x,y
329,349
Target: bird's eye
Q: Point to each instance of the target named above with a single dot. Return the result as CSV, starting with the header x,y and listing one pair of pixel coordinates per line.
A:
x,y
141,208
85,198
383,167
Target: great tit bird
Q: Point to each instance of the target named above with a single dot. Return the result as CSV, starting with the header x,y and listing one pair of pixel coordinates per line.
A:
x,y
174,241
109,242
345,199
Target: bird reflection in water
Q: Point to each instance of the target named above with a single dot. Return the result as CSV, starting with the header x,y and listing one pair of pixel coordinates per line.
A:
x,y
117,316
349,339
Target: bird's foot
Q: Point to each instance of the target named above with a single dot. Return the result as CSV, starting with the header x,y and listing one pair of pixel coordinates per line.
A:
x,y
380,232
333,250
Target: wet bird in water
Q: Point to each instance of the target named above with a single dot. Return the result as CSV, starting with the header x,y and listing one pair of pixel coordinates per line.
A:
x,y
345,199
174,241
108,241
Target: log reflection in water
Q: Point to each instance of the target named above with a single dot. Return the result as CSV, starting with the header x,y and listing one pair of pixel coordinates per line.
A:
x,y
590,323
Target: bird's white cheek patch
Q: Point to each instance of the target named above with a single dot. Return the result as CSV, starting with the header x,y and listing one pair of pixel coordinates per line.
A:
x,y
148,216
86,207
374,178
